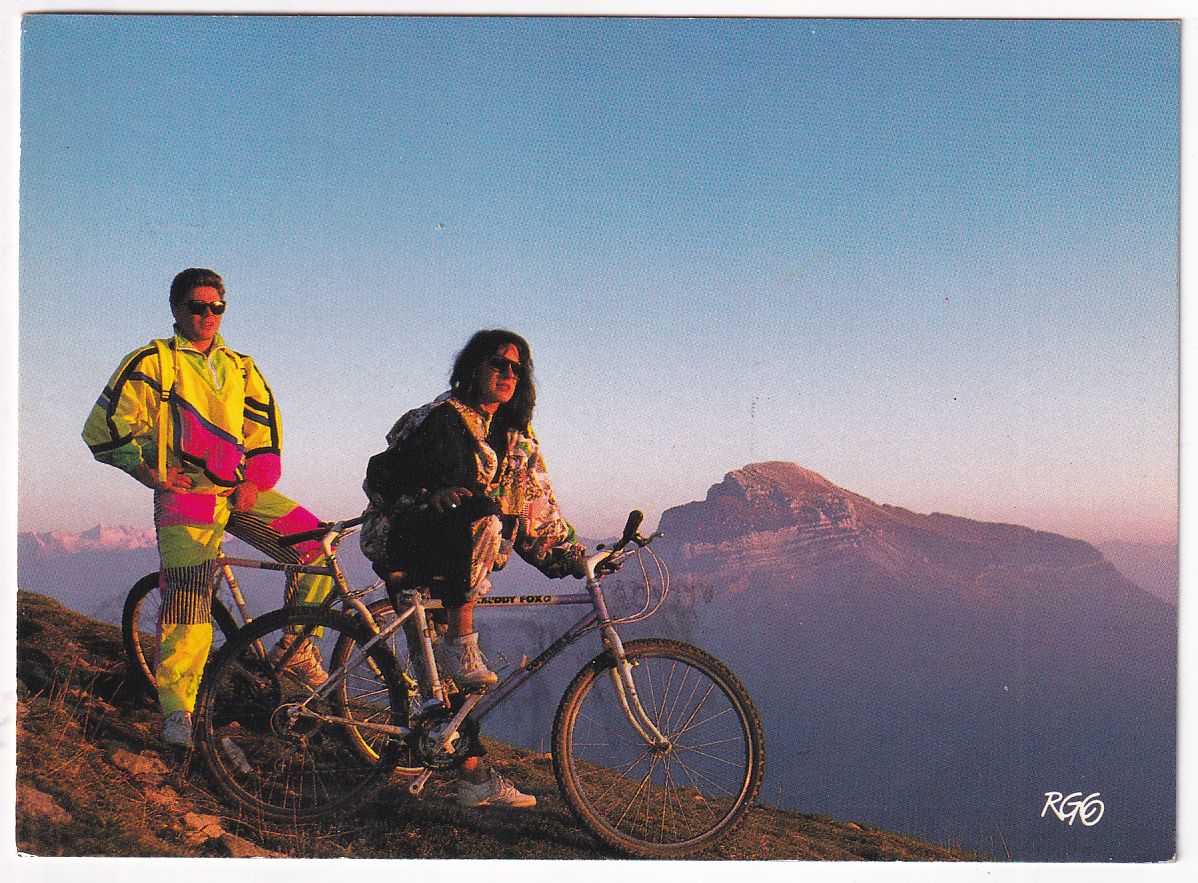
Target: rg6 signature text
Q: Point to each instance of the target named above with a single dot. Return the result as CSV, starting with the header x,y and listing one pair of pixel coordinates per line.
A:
x,y
1071,807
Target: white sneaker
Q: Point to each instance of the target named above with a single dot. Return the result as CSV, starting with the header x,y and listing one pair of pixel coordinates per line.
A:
x,y
305,666
461,660
495,791
176,729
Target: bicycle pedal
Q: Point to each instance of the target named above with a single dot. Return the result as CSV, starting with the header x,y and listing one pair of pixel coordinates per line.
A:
x,y
416,788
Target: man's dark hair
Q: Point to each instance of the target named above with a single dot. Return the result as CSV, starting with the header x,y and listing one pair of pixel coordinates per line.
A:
x,y
192,278
516,414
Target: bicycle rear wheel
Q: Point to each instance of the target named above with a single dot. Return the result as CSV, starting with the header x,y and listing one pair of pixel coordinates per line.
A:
x,y
283,768
139,630
668,801
364,696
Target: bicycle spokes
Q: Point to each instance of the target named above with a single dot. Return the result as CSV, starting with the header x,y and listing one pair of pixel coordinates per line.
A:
x,y
656,796
283,751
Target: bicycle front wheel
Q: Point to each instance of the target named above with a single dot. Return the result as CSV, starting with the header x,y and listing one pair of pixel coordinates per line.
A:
x,y
276,751
139,630
663,800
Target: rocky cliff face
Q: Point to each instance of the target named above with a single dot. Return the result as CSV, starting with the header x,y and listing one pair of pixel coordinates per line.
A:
x,y
933,672
781,519
767,514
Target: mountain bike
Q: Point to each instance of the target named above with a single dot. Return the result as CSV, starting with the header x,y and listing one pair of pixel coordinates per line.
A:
x,y
230,611
656,748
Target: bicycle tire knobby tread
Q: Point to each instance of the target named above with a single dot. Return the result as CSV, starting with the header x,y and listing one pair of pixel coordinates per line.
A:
x,y
719,672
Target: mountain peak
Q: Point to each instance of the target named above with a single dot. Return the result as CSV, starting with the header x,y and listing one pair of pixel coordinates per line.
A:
x,y
774,480
764,498
783,516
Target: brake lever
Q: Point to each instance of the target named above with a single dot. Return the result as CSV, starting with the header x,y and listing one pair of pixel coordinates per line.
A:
x,y
606,566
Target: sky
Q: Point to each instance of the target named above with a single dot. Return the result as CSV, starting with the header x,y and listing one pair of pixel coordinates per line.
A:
x,y
934,261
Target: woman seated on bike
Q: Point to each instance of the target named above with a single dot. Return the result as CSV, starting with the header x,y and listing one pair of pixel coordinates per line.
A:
x,y
461,484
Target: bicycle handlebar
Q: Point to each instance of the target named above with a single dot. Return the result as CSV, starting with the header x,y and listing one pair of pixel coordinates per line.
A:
x,y
318,532
612,556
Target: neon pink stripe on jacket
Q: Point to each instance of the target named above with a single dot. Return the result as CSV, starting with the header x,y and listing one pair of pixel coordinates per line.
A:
x,y
221,457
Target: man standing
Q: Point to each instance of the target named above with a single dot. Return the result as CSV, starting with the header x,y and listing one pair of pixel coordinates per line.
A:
x,y
196,422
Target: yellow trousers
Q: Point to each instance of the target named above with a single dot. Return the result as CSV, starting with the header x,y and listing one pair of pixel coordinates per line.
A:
x,y
190,527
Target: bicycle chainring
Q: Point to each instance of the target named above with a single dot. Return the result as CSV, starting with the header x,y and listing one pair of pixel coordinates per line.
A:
x,y
426,740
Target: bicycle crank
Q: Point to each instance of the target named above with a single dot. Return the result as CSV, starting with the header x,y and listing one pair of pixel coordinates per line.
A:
x,y
440,745
417,786
443,739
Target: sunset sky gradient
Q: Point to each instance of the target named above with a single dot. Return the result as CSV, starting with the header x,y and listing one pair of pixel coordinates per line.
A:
x,y
933,261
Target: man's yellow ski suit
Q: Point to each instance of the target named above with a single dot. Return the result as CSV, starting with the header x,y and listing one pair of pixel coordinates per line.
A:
x,y
219,423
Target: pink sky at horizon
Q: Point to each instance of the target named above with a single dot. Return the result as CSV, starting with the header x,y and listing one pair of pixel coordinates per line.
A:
x,y
1090,523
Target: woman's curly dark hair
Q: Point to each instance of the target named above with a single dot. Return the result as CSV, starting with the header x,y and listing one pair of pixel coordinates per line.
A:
x,y
516,414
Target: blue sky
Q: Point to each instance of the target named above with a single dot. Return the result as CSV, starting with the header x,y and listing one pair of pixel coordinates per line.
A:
x,y
935,261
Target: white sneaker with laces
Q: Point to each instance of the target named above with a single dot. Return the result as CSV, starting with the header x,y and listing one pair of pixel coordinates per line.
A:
x,y
305,666
495,791
462,661
176,729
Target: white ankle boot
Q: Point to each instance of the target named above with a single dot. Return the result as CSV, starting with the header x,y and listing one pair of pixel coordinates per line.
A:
x,y
461,660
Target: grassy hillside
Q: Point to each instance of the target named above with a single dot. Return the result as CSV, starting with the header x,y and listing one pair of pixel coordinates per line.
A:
x,y
93,779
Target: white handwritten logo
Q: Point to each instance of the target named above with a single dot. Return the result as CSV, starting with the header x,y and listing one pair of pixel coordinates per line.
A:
x,y
1068,807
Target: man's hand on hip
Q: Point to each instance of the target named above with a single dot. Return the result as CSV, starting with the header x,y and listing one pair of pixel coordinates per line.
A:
x,y
177,482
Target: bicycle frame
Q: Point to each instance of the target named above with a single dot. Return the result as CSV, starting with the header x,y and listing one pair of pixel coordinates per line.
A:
x,y
482,704
332,568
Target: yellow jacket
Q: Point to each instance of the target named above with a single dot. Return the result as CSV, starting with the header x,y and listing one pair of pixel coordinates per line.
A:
x,y
223,421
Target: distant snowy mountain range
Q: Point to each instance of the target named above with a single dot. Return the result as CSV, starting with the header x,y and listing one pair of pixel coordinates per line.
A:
x,y
101,538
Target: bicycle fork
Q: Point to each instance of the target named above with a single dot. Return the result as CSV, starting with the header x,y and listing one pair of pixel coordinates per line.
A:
x,y
630,701
621,673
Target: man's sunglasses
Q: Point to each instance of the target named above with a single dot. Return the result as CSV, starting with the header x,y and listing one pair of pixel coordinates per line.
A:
x,y
501,365
199,307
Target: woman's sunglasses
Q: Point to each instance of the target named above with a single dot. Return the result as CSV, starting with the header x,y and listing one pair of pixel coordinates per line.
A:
x,y
501,366
199,307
